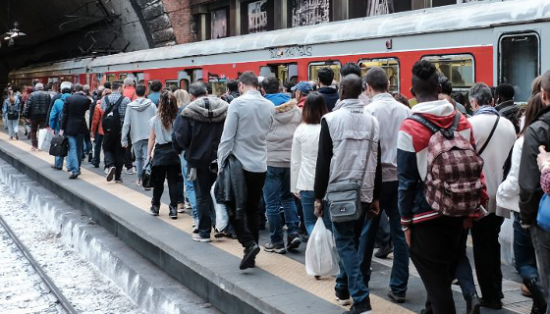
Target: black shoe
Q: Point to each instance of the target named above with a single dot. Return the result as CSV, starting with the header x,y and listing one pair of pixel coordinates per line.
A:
x,y
362,308
110,172
396,298
343,298
55,168
90,157
73,176
539,303
495,305
173,212
155,210
536,310
473,305
249,256
384,251
95,165
293,242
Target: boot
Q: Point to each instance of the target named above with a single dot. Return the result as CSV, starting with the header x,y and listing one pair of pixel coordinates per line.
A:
x,y
472,305
173,212
539,303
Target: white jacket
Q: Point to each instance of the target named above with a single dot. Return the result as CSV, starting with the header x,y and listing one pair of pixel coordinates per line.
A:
x,y
305,146
508,191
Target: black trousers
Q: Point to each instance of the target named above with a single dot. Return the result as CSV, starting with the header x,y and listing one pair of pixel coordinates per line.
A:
x,y
247,229
487,257
205,206
435,251
172,173
128,156
36,124
98,140
113,153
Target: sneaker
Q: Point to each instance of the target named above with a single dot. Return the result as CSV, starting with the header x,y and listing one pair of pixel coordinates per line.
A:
x,y
473,305
293,242
195,226
173,212
54,167
120,181
198,238
155,210
17,137
278,248
95,166
181,208
249,257
187,205
495,305
343,298
384,251
73,176
129,171
222,234
363,308
396,298
110,173
90,157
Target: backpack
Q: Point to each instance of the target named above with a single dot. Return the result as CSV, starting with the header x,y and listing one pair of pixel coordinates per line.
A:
x,y
111,118
453,183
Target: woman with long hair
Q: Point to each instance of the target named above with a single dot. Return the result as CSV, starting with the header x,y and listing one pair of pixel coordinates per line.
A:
x,y
183,98
305,145
508,206
165,161
12,109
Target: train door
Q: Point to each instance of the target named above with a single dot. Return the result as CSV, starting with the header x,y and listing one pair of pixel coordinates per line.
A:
x,y
282,71
519,62
185,78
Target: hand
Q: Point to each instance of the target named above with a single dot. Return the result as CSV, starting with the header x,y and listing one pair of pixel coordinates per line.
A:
x,y
297,195
318,208
543,158
408,237
124,145
192,174
374,209
61,133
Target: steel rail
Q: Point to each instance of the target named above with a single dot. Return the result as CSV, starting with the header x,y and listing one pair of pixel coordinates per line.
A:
x,y
47,280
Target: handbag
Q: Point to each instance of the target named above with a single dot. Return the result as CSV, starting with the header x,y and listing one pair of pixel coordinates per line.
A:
x,y
344,198
13,116
543,216
59,146
147,176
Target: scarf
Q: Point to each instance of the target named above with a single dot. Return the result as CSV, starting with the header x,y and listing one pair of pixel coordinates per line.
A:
x,y
486,110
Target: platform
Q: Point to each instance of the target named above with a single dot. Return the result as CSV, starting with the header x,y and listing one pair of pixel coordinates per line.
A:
x,y
279,283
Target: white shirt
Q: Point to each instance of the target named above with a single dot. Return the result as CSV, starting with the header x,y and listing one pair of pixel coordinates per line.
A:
x,y
305,146
508,191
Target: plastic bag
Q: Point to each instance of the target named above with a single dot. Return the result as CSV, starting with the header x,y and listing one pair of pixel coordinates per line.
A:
x,y
44,139
506,239
321,256
222,217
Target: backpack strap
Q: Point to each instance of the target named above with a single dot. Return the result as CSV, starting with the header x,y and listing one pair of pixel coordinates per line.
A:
x,y
207,106
490,136
447,133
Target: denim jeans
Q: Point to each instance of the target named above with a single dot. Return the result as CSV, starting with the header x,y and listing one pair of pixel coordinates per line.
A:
x,y
524,252
400,271
346,235
13,127
74,158
277,194
140,151
59,162
541,243
383,233
87,144
308,209
98,141
464,273
189,188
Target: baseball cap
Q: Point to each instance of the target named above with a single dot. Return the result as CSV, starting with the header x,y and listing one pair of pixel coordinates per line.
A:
x,y
304,87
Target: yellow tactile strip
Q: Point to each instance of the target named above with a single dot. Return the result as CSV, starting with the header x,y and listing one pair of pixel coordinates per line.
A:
x,y
283,267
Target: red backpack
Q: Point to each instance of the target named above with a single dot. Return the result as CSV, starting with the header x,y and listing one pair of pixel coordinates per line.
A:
x,y
453,182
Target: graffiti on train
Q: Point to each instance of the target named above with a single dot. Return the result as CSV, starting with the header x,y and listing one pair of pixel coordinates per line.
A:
x,y
290,52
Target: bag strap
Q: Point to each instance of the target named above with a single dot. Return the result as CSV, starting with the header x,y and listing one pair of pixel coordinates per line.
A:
x,y
369,150
207,106
490,136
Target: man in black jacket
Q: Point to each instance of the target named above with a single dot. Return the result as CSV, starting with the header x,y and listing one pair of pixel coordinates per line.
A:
x,y
36,110
74,127
330,94
505,105
198,131
537,134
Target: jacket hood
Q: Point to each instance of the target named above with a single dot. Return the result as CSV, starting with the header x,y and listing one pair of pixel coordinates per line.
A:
x,y
328,90
440,112
140,104
286,112
197,110
277,99
349,103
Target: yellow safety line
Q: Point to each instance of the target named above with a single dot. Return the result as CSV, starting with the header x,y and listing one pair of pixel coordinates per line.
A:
x,y
283,267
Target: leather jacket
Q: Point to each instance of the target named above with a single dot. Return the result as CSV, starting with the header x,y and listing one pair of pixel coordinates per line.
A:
x,y
231,188
37,105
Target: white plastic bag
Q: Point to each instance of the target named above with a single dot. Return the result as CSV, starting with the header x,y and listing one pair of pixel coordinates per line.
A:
x,y
506,239
321,257
44,139
222,217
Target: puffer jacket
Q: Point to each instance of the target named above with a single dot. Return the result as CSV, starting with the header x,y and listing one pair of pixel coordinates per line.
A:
x,y
198,130
37,105
538,133
97,120
279,140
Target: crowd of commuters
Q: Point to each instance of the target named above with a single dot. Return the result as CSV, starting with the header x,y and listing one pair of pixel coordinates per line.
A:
x,y
426,173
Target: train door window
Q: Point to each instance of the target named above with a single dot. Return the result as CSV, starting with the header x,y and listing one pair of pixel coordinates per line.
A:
x,y
519,62
184,84
171,84
283,72
140,77
314,68
197,75
390,65
111,77
123,76
459,69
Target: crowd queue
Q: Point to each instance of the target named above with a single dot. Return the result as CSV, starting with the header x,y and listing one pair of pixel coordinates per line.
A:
x,y
413,180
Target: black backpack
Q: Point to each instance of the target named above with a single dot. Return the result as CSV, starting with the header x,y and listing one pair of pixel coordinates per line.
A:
x,y
111,118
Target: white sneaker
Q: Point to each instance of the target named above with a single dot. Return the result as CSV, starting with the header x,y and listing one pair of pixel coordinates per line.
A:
x,y
129,171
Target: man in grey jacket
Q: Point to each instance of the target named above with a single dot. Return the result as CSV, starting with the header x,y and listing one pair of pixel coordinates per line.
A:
x,y
247,125
136,124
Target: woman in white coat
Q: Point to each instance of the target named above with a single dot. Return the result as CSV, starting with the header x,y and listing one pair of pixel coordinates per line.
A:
x,y
305,145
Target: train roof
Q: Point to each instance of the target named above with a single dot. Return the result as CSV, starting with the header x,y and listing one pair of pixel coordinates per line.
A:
x,y
474,15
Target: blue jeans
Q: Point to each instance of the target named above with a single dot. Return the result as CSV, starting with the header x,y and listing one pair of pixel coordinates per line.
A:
x,y
277,194
524,252
347,237
541,243
59,162
74,158
464,273
189,188
383,233
140,151
308,209
13,127
400,271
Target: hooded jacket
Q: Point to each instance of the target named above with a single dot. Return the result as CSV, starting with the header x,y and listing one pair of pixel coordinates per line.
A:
x,y
277,99
57,111
136,120
511,111
412,158
330,95
279,140
198,130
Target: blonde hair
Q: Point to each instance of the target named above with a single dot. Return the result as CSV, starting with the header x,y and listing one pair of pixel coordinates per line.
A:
x,y
182,97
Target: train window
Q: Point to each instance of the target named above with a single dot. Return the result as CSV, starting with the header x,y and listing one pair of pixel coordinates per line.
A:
x,y
459,69
111,77
314,68
170,84
219,88
519,62
282,71
390,65
123,76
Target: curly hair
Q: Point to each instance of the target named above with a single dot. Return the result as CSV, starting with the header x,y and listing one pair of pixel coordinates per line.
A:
x,y
167,110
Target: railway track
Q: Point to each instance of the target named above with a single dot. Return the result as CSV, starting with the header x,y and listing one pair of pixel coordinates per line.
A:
x,y
24,286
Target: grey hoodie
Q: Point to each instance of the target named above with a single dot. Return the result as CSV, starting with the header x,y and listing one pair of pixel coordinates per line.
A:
x,y
136,120
279,140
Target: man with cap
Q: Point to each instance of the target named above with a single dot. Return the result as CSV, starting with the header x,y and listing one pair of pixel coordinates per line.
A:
x,y
301,90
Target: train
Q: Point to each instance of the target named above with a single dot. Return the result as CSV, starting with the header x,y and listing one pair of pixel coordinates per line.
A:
x,y
489,41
